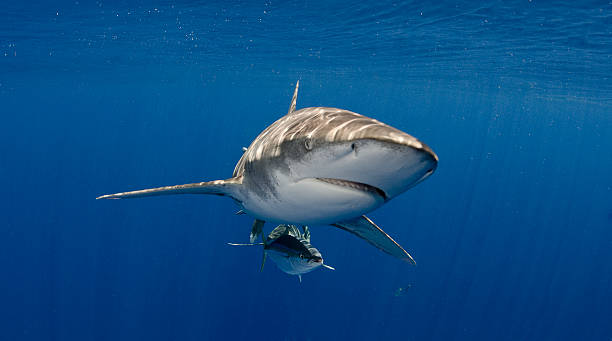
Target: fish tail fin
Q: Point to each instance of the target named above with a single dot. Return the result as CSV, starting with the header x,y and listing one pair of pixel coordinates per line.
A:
x,y
263,261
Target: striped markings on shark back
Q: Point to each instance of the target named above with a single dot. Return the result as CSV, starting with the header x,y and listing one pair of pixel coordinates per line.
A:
x,y
320,165
290,250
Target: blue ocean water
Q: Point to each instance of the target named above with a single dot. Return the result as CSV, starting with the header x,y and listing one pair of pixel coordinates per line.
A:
x,y
512,234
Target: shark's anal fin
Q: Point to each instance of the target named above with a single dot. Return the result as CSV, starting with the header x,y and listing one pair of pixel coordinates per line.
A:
x,y
294,99
257,230
364,228
217,187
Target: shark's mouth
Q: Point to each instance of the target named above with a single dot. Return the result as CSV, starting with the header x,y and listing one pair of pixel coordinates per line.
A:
x,y
356,185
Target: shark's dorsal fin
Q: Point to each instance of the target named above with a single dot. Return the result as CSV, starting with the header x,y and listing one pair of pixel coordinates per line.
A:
x,y
364,228
294,99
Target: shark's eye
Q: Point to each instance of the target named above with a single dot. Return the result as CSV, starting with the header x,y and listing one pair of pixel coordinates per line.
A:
x,y
308,144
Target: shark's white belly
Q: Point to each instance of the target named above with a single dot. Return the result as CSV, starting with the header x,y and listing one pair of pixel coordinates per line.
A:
x,y
311,201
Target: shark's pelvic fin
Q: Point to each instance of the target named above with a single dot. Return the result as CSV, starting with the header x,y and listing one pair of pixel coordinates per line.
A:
x,y
257,230
300,277
364,228
217,187
294,99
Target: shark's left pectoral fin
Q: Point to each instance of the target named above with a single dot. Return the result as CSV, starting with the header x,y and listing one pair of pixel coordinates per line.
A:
x,y
364,228
218,187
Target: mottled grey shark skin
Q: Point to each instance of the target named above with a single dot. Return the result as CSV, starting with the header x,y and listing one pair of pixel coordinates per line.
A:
x,y
320,166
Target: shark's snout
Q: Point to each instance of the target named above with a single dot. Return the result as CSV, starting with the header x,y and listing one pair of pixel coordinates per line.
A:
x,y
426,149
392,161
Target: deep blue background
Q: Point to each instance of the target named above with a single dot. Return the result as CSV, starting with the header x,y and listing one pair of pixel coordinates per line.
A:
x,y
512,234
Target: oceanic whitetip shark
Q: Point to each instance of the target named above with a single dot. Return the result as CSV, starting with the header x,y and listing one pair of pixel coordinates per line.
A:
x,y
290,250
320,166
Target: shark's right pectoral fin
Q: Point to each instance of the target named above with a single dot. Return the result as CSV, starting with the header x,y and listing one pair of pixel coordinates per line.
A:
x,y
364,228
218,187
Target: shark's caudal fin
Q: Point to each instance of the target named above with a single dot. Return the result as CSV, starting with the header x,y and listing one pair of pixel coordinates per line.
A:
x,y
364,228
217,187
294,99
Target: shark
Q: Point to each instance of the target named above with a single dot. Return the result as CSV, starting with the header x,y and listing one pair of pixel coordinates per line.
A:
x,y
320,166
290,250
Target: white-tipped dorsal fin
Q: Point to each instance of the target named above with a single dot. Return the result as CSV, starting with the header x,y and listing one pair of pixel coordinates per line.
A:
x,y
294,99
